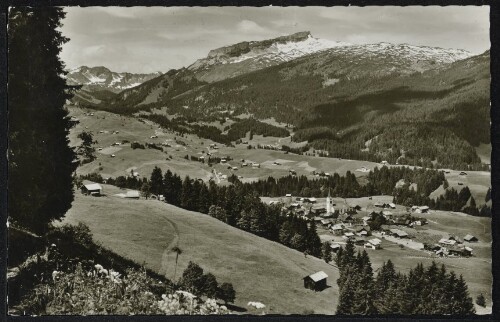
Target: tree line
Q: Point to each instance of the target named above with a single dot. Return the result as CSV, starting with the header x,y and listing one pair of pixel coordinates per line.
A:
x,y
423,290
237,205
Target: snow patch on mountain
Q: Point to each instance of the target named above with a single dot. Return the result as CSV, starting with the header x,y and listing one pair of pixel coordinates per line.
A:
x,y
102,78
287,51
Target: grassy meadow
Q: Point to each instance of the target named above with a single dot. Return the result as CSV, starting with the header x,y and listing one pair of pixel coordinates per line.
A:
x,y
259,269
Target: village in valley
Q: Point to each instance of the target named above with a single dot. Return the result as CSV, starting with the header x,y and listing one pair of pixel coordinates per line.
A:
x,y
404,234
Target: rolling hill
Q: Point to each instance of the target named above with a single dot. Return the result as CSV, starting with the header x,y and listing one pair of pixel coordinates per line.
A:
x,y
146,230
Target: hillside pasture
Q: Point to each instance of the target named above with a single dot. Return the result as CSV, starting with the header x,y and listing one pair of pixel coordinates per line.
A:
x,y
146,230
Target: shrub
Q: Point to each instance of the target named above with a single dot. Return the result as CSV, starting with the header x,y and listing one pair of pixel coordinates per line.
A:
x,y
480,300
137,145
103,291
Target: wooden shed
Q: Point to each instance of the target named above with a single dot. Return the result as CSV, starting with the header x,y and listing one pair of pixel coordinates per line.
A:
x,y
316,281
93,189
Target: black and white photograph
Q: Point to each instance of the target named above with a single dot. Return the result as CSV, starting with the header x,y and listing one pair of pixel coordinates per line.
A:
x,y
249,161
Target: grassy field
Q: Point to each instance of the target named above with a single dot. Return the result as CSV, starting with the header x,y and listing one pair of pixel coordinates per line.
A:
x,y
260,270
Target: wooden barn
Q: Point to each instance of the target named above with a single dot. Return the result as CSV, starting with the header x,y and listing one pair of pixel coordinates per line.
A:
x,y
93,189
316,281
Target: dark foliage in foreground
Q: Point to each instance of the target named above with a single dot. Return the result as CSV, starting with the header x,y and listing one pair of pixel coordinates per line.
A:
x,y
424,290
74,275
40,160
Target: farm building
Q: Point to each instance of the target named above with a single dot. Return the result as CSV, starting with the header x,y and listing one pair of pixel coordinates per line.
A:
x,y
469,238
433,247
373,243
335,247
422,210
132,194
460,251
392,206
93,189
346,218
401,220
326,222
337,229
348,235
363,231
320,210
380,205
316,281
448,242
398,233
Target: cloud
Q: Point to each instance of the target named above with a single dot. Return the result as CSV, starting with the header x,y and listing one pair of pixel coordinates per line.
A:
x,y
145,39
249,26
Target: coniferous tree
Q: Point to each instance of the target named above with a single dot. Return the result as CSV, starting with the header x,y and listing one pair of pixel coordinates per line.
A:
x,y
41,163
210,286
326,252
186,200
156,181
480,300
86,149
227,293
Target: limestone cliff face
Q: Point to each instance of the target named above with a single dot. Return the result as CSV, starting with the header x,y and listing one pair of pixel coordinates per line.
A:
x,y
246,46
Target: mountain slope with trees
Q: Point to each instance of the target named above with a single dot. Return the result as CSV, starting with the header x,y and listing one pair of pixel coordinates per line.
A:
x,y
353,101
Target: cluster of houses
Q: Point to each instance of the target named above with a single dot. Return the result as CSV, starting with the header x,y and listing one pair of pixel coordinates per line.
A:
x,y
452,246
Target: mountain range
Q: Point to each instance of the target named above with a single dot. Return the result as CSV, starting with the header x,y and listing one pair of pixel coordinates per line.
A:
x,y
358,101
99,83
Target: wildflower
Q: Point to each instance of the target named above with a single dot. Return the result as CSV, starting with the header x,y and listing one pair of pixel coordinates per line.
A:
x,y
257,305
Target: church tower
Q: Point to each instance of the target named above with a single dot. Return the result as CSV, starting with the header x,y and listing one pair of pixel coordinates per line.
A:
x,y
328,204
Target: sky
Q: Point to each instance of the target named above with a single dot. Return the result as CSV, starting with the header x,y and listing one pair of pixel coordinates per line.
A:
x,y
151,39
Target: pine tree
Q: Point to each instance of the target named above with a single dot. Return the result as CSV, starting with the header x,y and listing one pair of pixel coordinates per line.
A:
x,y
86,149
480,300
488,195
326,252
156,181
210,286
193,279
186,200
386,277
347,291
168,186
227,293
465,305
40,160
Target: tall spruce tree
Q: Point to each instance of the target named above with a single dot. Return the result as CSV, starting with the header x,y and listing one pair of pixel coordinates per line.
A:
x,y
41,163
156,181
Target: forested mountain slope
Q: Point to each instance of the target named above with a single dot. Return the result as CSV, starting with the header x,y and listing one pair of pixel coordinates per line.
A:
x,y
400,103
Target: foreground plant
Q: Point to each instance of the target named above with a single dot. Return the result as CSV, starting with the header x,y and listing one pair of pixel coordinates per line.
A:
x,y
104,291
